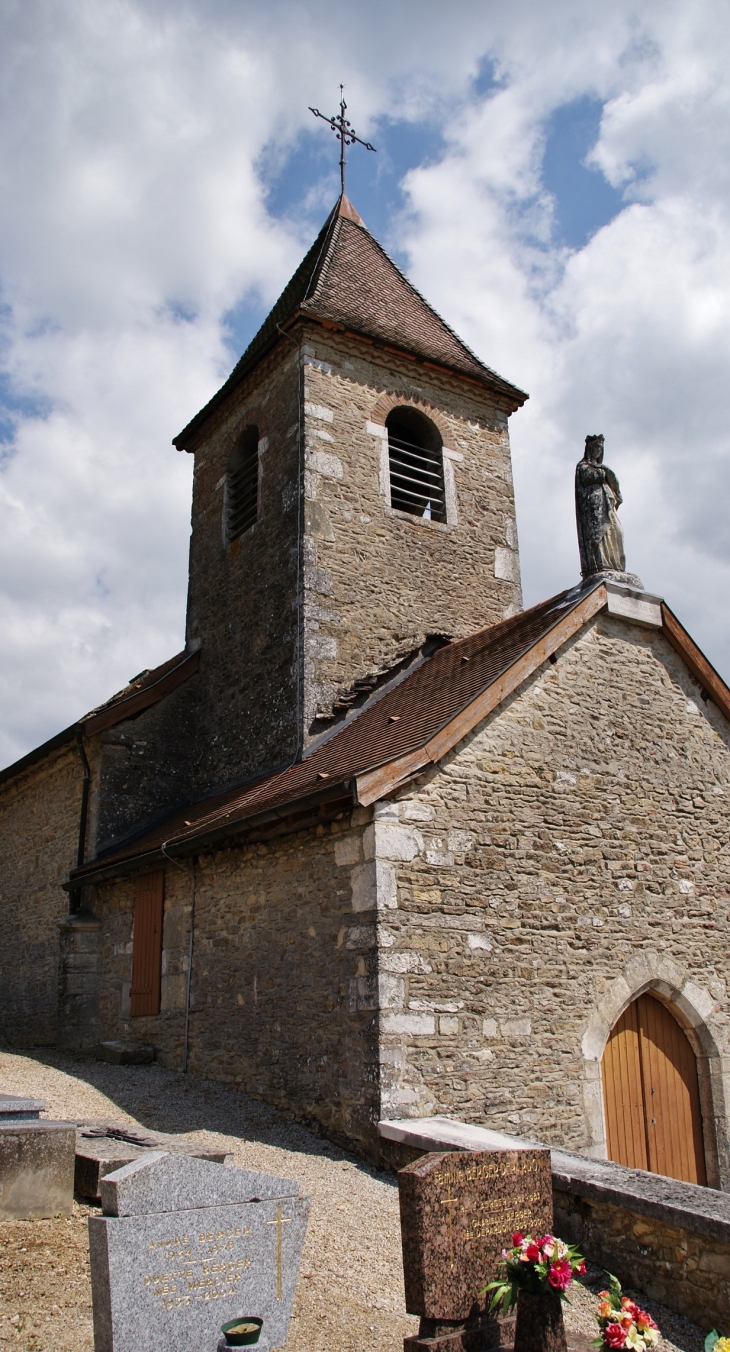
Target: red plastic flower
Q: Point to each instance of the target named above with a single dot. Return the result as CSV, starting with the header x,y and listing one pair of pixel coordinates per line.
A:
x,y
614,1335
581,1268
532,1254
560,1274
517,1239
644,1321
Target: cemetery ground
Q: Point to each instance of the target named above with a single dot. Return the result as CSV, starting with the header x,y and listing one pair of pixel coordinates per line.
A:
x,y
350,1294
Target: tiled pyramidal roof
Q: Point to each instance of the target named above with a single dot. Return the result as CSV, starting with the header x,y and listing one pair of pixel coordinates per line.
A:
x,y
399,721
347,279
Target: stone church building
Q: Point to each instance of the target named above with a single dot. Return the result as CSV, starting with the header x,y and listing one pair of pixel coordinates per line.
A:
x,y
378,842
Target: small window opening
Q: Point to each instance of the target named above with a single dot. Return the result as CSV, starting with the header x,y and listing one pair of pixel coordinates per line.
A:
x,y
416,465
243,484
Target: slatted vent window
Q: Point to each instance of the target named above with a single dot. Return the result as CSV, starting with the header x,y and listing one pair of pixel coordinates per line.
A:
x,y
147,944
416,465
243,484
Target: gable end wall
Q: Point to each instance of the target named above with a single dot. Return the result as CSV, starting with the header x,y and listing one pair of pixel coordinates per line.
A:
x,y
574,850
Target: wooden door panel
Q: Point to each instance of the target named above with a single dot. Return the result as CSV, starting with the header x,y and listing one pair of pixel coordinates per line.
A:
x,y
623,1094
651,1094
671,1095
147,944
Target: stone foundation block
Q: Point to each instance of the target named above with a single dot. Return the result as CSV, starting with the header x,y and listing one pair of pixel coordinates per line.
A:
x,y
36,1169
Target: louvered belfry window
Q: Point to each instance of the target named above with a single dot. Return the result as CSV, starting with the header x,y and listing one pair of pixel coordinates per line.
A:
x,y
416,464
147,944
243,484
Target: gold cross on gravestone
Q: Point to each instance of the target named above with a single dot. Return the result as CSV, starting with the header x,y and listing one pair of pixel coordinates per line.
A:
x,y
450,1202
280,1220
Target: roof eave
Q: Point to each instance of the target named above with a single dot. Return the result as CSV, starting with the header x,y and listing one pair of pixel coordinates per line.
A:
x,y
188,438
193,842
40,752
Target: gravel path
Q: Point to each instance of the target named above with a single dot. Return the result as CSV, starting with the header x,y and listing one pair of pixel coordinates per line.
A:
x,y
350,1295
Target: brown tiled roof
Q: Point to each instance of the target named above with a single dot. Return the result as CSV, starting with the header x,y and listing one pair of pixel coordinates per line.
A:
x,y
347,279
141,692
402,720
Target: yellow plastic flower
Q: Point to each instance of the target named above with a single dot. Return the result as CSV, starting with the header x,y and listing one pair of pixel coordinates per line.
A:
x,y
722,1345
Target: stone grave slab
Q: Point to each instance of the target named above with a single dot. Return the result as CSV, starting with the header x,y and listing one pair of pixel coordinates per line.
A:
x,y
102,1147
14,1108
458,1212
125,1053
186,1245
36,1169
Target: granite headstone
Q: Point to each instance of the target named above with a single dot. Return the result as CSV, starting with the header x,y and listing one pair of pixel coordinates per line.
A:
x,y
184,1246
103,1147
458,1212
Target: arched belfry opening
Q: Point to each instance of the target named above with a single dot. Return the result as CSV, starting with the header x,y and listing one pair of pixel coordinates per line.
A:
x,y
651,1094
242,496
415,452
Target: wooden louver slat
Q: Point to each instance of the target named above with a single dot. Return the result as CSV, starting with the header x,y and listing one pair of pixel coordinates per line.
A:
x,y
147,944
416,477
243,486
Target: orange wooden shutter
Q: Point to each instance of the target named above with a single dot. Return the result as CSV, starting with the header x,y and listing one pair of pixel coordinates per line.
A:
x,y
651,1094
147,944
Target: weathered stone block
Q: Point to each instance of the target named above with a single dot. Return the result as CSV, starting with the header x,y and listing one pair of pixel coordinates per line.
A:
x,y
36,1169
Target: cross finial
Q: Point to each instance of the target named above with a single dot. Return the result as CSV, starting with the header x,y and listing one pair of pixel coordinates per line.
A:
x,y
344,131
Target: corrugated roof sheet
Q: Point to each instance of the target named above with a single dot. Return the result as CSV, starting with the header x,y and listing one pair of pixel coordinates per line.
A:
x,y
401,720
347,278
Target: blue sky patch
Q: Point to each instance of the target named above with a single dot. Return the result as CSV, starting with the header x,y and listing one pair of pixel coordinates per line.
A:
x,y
584,199
305,185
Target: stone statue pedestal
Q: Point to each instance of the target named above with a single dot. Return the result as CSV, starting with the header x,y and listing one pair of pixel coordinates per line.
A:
x,y
613,575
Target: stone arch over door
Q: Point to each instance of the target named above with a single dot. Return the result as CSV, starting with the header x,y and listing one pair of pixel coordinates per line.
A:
x,y
696,1011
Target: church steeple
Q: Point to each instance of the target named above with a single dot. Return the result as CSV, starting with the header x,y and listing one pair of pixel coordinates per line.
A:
x,y
352,505
348,280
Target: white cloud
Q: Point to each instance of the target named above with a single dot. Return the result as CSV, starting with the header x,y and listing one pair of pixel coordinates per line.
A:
x,y
131,137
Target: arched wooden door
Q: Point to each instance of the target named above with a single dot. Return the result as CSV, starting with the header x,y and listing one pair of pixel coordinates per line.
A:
x,y
651,1094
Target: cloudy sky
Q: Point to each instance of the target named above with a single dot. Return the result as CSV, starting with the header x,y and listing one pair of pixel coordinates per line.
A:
x,y
555,178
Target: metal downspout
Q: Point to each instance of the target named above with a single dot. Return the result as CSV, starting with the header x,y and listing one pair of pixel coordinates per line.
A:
x,y
75,895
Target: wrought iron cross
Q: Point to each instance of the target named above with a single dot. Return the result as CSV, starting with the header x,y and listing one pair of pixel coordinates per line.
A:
x,y
344,131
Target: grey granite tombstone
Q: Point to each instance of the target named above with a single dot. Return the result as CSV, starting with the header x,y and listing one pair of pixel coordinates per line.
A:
x,y
185,1246
103,1147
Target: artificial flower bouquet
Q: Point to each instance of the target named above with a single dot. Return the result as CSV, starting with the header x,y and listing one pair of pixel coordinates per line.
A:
x,y
535,1264
714,1343
623,1323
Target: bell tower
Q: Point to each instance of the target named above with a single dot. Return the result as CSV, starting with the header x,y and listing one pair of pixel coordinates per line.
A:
x,y
352,507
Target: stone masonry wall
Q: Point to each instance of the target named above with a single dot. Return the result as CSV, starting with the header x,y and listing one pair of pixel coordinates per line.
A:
x,y
39,824
688,1270
242,598
282,1004
378,581
335,580
580,836
143,767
